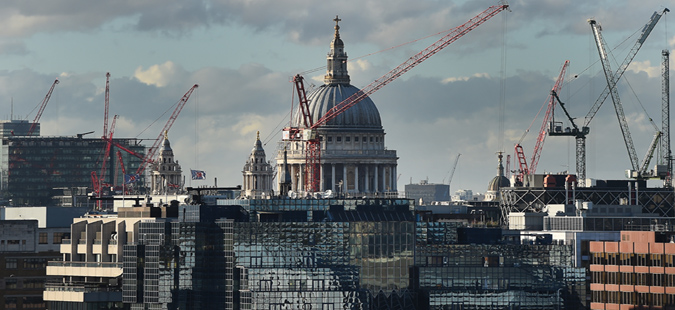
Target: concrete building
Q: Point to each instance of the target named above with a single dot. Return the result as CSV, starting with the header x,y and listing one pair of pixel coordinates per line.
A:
x,y
354,159
90,266
25,249
425,193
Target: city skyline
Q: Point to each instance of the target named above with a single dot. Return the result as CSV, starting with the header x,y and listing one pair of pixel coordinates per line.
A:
x,y
243,55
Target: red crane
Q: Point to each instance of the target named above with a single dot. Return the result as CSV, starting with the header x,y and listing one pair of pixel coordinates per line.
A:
x,y
538,147
308,133
42,108
150,156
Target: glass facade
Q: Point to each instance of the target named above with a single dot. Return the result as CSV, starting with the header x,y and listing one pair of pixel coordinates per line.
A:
x,y
33,166
338,254
179,265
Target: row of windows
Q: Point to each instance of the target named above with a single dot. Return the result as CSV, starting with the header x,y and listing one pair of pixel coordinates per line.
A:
x,y
356,139
26,263
632,259
627,278
633,298
57,237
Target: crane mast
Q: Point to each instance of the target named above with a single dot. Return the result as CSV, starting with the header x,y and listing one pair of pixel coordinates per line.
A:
x,y
42,108
614,93
313,145
107,104
665,119
581,141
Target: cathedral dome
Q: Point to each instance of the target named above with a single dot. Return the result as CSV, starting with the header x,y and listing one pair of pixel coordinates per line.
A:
x,y
498,182
363,115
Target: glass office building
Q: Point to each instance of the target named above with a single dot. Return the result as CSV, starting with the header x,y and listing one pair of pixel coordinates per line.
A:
x,y
337,254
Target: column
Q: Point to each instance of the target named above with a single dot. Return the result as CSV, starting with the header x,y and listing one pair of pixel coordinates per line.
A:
x,y
332,176
365,186
344,178
356,178
395,179
301,179
377,176
321,186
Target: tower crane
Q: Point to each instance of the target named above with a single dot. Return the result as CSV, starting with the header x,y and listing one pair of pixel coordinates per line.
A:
x,y
42,108
150,156
309,135
665,119
638,169
581,142
452,171
538,147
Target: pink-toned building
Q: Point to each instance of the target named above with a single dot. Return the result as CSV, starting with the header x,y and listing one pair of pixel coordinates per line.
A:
x,y
637,272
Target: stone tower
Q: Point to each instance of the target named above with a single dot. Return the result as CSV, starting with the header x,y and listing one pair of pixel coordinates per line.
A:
x,y
257,173
166,173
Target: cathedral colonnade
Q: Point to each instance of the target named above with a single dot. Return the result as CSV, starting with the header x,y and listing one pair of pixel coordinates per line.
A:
x,y
349,177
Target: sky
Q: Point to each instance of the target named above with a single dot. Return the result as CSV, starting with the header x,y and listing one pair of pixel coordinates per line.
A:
x,y
243,53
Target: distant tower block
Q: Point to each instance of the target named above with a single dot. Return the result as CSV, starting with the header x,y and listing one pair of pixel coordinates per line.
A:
x,y
257,173
166,173
354,159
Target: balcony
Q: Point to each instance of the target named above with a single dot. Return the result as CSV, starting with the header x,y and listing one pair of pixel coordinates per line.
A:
x,y
84,269
81,293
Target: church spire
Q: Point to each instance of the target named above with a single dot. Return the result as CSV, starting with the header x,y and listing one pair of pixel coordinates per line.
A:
x,y
336,72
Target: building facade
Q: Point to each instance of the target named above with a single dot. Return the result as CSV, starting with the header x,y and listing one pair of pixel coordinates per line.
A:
x,y
354,159
25,250
32,166
637,272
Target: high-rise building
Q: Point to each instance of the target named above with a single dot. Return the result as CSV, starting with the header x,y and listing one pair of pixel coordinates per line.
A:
x,y
31,167
633,273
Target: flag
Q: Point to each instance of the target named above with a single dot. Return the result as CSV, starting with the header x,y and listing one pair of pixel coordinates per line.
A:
x,y
171,185
198,174
130,178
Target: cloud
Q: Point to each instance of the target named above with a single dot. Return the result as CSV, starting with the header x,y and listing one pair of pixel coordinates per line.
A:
x,y
645,66
157,75
465,78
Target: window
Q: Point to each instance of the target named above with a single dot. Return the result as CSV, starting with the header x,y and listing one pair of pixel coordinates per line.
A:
x,y
11,263
627,278
627,298
347,139
339,139
59,236
34,263
642,279
356,139
330,139
657,260
612,278
44,237
642,260
657,279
